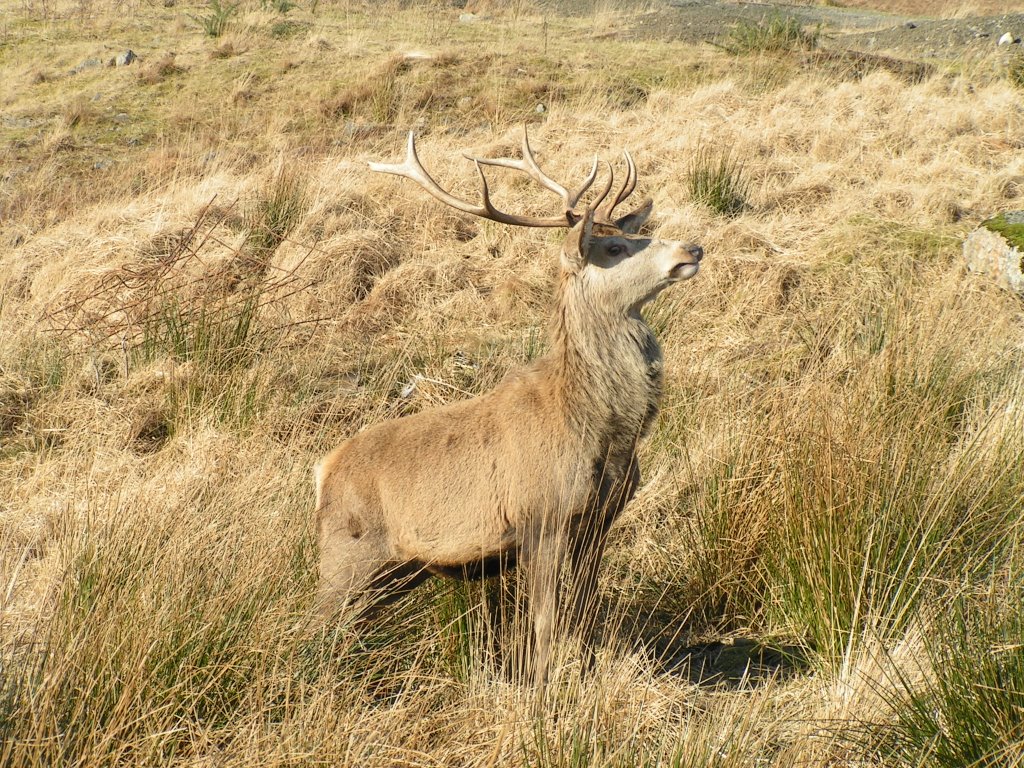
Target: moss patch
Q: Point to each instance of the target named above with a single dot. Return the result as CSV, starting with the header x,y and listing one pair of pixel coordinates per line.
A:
x,y
1010,226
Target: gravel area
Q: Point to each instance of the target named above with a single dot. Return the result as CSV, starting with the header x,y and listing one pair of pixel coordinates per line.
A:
x,y
841,28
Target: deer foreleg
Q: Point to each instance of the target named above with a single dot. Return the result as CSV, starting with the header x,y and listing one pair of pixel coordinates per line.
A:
x,y
584,561
586,552
545,563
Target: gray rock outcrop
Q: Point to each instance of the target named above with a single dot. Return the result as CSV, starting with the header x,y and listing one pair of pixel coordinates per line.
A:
x,y
996,249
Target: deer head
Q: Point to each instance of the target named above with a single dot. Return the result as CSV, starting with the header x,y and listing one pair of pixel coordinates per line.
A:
x,y
602,254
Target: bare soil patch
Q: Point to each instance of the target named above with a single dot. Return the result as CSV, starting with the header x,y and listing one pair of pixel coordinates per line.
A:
x,y
865,29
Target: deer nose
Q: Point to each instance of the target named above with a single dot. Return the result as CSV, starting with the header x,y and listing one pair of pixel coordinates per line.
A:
x,y
696,251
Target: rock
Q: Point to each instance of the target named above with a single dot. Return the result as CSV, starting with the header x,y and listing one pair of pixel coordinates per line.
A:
x,y
1006,39
87,64
996,249
910,25
124,59
121,117
467,18
540,109
7,121
410,388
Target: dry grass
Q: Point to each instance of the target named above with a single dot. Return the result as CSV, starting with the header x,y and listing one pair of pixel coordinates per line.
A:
x,y
186,329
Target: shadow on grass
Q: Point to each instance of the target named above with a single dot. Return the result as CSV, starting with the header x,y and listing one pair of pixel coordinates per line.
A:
x,y
701,652
736,662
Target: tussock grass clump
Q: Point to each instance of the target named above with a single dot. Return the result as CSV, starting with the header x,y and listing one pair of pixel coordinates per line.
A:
x,y
160,70
719,181
218,334
969,710
1015,71
773,34
278,208
283,7
377,97
211,616
215,22
286,29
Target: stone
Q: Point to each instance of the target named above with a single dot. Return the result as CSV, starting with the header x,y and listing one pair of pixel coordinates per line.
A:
x,y
124,59
467,18
996,249
1007,39
410,388
122,117
92,63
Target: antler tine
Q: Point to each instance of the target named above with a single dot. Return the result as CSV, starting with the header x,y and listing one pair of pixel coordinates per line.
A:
x,y
413,169
587,182
531,167
631,178
600,214
571,199
604,212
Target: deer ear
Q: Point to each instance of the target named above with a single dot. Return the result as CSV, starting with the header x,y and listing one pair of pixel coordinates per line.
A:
x,y
577,243
632,221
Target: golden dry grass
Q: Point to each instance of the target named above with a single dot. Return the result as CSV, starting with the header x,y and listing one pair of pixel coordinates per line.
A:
x,y
198,301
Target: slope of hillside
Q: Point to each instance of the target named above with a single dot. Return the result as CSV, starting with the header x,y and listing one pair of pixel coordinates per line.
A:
x,y
203,289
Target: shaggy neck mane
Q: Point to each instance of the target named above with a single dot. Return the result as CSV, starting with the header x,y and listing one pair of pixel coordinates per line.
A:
x,y
606,367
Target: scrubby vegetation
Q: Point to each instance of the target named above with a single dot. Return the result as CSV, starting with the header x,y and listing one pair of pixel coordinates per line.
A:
x,y
718,181
1015,71
203,289
773,34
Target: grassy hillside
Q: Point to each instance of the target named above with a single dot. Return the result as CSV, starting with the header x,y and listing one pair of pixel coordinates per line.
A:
x,y
203,289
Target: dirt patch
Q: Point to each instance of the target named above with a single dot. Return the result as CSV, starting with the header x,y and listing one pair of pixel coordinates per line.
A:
x,y
856,29
940,38
939,9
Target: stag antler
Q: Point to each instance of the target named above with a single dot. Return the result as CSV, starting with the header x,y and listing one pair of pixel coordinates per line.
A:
x,y
529,166
413,169
603,210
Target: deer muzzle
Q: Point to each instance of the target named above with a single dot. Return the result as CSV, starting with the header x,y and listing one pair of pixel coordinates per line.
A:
x,y
688,262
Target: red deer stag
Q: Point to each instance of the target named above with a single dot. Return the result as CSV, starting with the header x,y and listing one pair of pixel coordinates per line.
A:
x,y
537,469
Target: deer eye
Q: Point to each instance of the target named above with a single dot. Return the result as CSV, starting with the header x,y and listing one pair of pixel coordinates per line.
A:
x,y
616,250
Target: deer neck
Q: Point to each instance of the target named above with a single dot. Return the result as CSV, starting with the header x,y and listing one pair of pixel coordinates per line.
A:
x,y
607,370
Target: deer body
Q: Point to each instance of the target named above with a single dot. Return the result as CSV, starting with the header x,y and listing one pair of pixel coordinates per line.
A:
x,y
534,471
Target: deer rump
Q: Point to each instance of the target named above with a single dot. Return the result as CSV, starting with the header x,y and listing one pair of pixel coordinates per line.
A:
x,y
534,471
